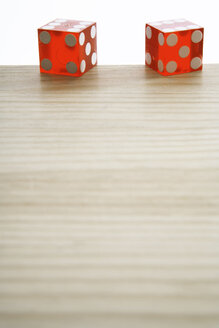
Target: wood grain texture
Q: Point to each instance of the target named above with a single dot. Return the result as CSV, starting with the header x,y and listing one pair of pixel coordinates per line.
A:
x,y
109,199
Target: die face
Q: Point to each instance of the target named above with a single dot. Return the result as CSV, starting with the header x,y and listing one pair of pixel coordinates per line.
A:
x,y
68,48
169,26
175,49
67,25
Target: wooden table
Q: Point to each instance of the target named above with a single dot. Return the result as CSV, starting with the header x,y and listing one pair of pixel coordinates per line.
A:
x,y
109,199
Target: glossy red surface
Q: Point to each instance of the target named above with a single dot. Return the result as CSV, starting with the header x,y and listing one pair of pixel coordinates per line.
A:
x,y
174,48
56,56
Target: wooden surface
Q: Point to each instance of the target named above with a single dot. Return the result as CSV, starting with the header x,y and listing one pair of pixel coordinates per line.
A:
x,y
109,199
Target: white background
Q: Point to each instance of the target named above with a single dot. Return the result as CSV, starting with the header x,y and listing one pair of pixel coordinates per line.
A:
x,y
120,26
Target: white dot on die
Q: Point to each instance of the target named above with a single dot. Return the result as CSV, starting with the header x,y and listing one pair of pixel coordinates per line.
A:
x,y
79,26
83,66
196,63
184,51
73,30
180,28
160,65
171,67
196,36
156,23
148,58
88,48
81,39
167,30
45,37
54,24
148,32
172,40
168,22
93,32
85,23
190,27
161,39
46,64
94,58
48,27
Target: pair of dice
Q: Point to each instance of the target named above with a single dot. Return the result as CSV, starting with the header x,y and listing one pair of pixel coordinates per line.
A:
x,y
69,47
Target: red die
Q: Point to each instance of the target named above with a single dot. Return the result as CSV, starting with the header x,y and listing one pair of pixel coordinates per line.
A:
x,y
174,47
67,47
